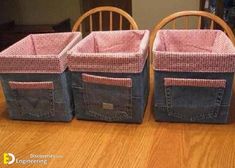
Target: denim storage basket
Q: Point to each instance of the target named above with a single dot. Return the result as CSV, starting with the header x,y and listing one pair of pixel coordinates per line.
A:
x,y
193,76
35,81
110,76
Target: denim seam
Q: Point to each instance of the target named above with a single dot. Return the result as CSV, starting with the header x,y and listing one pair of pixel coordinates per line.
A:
x,y
218,101
170,111
52,103
85,98
15,92
130,109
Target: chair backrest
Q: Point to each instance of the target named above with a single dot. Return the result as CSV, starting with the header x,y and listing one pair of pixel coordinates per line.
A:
x,y
111,10
171,18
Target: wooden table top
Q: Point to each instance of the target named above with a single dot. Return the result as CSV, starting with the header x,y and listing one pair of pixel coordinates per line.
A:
x,y
98,144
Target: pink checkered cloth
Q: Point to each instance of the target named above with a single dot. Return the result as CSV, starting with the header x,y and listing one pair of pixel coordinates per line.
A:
x,y
215,83
39,53
31,85
124,82
111,51
193,51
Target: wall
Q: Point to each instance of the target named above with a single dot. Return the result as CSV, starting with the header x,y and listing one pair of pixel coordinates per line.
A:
x,y
147,13
39,11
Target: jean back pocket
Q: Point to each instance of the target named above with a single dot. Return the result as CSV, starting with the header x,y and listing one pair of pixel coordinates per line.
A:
x,y
35,99
194,99
106,98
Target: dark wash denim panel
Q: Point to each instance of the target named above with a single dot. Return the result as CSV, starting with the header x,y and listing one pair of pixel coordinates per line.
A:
x,y
97,100
40,104
192,104
128,103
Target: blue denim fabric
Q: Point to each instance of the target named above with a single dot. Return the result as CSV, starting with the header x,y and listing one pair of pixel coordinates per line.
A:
x,y
123,104
192,104
40,104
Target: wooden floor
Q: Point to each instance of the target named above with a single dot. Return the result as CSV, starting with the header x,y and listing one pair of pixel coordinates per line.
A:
x,y
96,144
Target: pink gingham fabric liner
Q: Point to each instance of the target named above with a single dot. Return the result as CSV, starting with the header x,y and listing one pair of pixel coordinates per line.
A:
x,y
31,85
193,51
215,83
124,82
111,51
39,53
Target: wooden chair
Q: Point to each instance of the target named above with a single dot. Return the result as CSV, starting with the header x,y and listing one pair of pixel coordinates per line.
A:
x,y
214,19
171,18
99,10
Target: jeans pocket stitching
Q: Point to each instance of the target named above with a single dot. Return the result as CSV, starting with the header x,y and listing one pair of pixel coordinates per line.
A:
x,y
218,101
170,110
52,103
16,95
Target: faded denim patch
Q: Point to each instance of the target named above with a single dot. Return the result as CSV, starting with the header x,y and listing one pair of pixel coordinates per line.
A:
x,y
39,104
192,103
